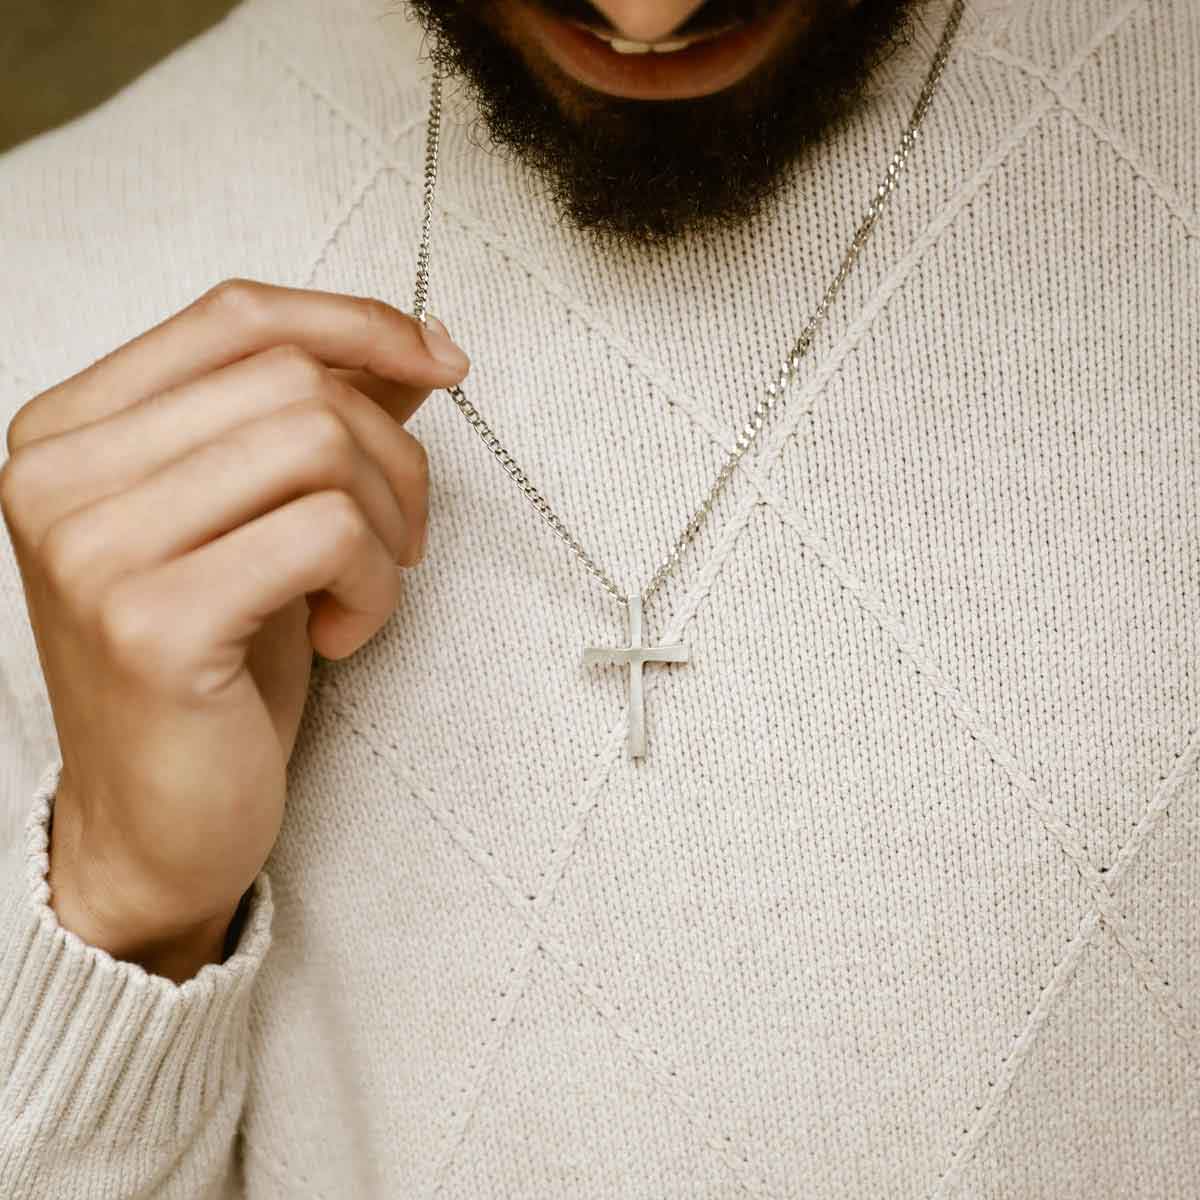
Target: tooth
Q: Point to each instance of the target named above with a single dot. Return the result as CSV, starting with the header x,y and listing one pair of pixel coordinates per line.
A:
x,y
668,47
624,47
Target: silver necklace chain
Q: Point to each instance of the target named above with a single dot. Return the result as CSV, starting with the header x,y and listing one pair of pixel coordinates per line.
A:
x,y
771,392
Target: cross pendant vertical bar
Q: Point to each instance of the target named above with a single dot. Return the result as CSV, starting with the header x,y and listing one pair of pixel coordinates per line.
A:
x,y
633,656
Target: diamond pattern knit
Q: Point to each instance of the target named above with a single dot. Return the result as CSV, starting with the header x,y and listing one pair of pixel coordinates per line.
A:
x,y
905,900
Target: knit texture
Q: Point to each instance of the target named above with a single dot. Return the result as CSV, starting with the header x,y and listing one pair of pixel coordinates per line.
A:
x,y
905,899
115,1079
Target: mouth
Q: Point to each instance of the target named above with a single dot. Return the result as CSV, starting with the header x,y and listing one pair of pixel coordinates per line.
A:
x,y
671,69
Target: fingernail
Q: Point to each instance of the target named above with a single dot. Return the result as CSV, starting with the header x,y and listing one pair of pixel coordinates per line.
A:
x,y
439,343
424,541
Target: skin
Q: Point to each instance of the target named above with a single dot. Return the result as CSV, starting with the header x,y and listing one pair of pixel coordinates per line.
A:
x,y
192,516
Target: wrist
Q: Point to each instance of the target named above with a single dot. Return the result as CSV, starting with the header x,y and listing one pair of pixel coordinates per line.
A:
x,y
176,953
86,899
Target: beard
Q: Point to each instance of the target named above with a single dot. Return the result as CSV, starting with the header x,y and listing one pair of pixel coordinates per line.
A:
x,y
641,171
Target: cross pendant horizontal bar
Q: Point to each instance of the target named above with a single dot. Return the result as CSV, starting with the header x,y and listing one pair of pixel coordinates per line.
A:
x,y
633,656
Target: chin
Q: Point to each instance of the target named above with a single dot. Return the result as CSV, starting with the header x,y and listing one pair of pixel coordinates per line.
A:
x,y
648,145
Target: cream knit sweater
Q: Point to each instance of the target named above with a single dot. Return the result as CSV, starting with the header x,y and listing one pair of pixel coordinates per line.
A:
x,y
905,899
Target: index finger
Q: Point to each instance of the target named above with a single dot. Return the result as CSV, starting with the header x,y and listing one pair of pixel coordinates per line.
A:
x,y
234,319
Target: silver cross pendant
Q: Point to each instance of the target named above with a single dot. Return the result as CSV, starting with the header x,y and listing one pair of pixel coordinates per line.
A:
x,y
633,656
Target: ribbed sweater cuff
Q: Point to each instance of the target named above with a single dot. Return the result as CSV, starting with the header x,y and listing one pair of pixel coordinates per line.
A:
x,y
95,1049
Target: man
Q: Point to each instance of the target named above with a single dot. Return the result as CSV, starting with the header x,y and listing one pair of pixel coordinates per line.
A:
x,y
865,866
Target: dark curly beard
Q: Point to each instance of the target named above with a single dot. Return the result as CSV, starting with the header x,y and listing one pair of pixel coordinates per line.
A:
x,y
639,171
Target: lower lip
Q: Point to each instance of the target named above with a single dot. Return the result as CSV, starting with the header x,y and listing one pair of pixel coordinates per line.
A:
x,y
697,70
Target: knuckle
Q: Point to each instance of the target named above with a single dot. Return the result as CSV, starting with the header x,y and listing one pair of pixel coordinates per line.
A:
x,y
298,369
68,554
379,317
25,478
127,629
25,425
20,429
345,526
15,473
326,433
235,299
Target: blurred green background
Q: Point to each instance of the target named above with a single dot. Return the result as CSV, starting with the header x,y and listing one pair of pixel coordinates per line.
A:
x,y
60,57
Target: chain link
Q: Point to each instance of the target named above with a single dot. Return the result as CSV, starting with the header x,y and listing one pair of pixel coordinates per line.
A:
x,y
771,392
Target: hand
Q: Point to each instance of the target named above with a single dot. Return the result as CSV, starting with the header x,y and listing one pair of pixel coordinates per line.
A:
x,y
192,515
